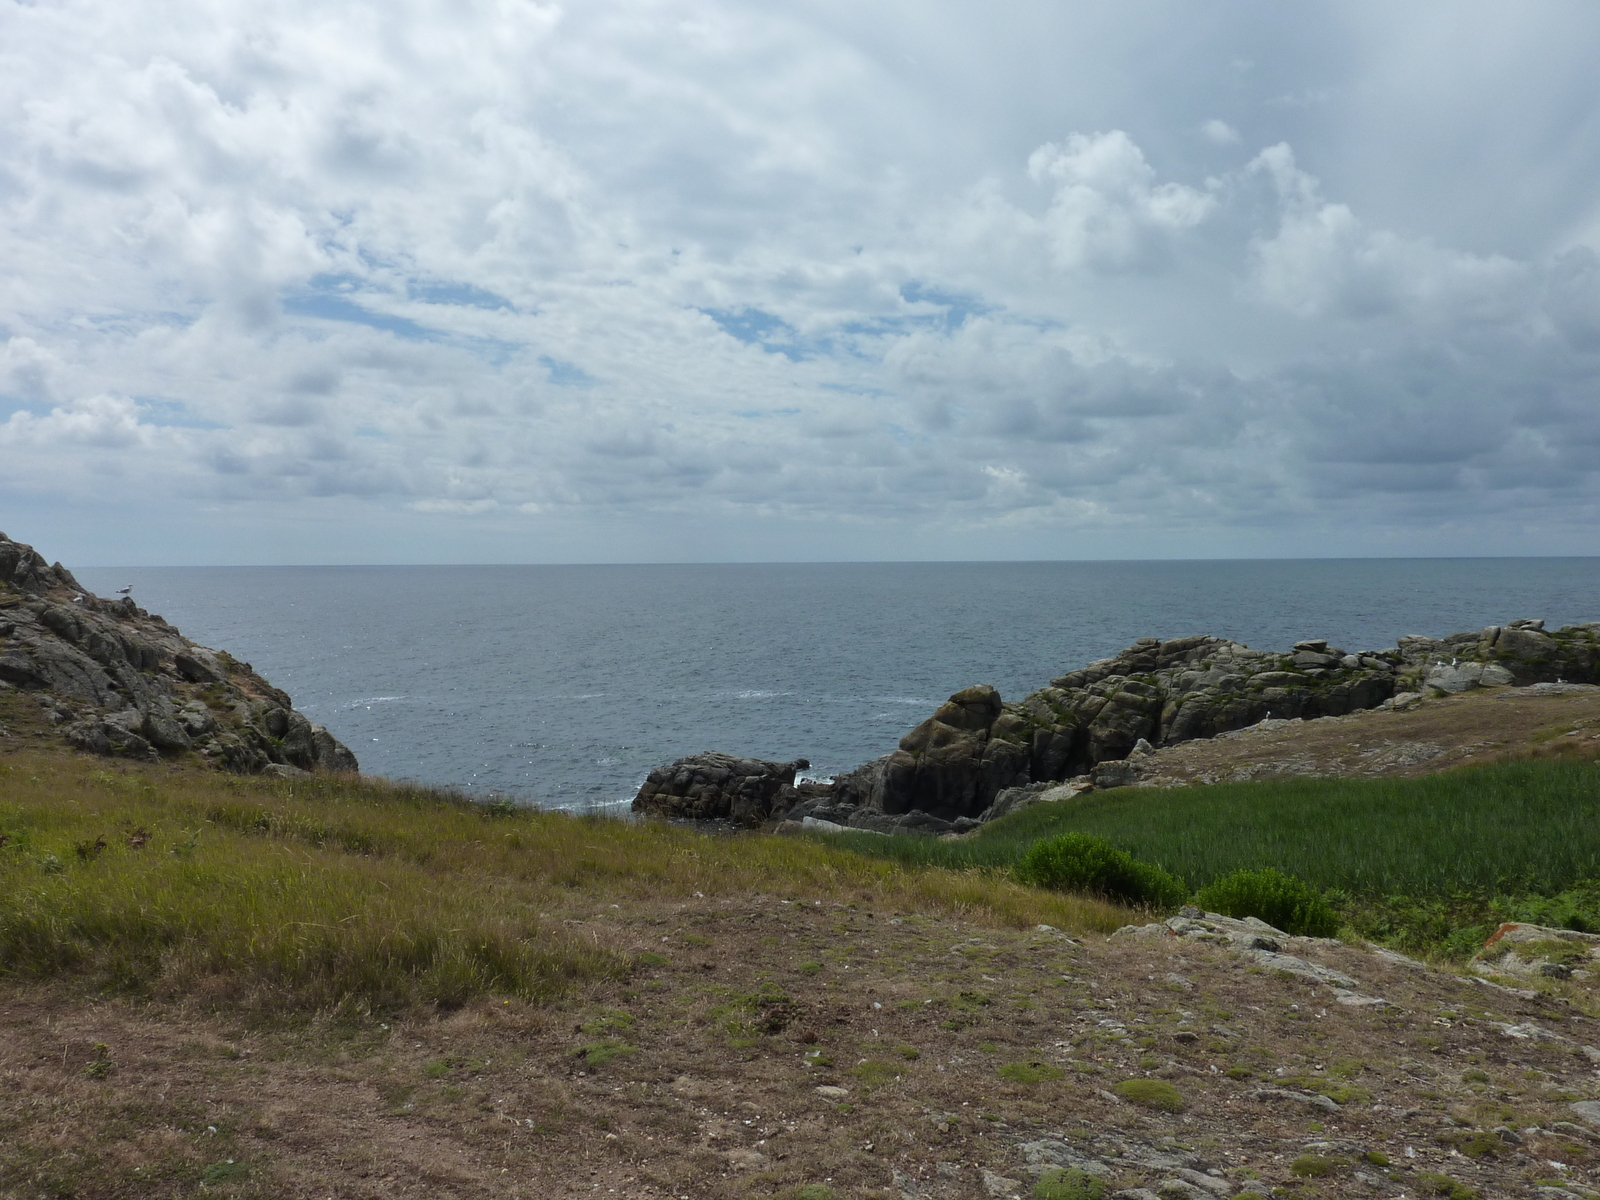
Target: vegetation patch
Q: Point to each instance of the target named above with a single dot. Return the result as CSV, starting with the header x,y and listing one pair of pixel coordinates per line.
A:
x,y
1430,865
875,1072
1269,895
1431,1183
1032,1071
1079,862
1151,1093
598,1054
1312,1166
1068,1183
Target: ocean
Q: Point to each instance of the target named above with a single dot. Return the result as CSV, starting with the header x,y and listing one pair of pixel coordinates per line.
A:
x,y
564,685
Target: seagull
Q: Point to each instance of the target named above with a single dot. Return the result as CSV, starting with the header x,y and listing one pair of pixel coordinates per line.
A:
x,y
125,591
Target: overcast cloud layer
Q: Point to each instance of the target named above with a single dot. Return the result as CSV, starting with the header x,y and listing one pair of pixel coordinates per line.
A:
x,y
497,280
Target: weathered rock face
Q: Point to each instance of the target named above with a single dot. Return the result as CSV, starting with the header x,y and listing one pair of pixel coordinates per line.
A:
x,y
121,681
1088,722
1521,652
715,786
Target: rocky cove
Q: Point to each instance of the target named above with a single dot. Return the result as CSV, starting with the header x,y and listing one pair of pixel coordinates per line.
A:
x,y
979,756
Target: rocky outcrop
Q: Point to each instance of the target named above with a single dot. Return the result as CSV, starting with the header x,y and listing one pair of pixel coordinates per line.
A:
x,y
1094,723
118,680
1521,652
725,787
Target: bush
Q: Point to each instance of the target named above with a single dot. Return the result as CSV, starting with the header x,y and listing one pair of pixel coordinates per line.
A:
x,y
1280,900
1080,862
1150,1093
1312,1166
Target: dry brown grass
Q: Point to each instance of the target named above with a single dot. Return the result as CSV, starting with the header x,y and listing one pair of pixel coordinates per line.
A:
x,y
345,893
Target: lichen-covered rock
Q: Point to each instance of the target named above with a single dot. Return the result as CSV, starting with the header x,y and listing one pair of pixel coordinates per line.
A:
x,y
121,681
1538,951
716,786
1087,722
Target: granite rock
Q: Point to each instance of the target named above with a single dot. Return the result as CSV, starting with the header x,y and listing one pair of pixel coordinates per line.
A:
x,y
121,681
717,786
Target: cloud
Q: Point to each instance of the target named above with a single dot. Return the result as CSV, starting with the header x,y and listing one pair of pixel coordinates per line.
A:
x,y
1323,261
704,261
1107,207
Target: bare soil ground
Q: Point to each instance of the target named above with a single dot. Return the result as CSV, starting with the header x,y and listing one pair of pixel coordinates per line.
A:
x,y
1473,728
967,1059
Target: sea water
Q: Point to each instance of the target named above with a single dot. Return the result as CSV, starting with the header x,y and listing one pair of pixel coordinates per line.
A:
x,y
565,685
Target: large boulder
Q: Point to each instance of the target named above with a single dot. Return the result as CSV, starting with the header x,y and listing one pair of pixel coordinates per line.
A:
x,y
124,682
716,786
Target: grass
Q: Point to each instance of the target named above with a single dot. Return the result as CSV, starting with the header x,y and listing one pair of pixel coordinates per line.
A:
x,y
1525,826
354,895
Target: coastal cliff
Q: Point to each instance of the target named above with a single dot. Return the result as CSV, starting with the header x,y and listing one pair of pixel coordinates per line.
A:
x,y
968,760
110,678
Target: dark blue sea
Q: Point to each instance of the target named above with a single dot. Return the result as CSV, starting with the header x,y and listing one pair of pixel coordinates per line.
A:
x,y
564,685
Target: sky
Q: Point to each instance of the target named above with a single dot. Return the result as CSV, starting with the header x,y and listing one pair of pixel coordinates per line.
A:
x,y
713,280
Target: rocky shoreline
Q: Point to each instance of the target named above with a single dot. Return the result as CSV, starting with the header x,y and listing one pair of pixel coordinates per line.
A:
x,y
113,679
979,757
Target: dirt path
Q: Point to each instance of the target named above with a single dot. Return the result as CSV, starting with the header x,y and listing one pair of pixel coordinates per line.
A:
x,y
966,1060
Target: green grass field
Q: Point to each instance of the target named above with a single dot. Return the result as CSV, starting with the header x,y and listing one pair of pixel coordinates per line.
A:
x,y
1430,864
1521,826
352,895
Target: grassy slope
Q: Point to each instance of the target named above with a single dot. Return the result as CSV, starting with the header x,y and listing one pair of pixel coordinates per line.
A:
x,y
352,895
1523,825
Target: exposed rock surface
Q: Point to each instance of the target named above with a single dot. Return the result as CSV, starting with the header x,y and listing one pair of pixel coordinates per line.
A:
x,y
1528,951
1095,723
118,680
716,786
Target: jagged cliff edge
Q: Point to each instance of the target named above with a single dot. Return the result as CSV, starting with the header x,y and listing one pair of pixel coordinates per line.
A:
x,y
117,680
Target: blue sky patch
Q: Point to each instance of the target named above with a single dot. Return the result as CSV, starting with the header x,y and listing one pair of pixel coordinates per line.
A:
x,y
565,374
337,308
958,306
458,294
772,333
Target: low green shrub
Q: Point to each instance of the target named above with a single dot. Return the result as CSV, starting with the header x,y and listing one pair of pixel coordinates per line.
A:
x,y
1151,1093
1080,862
1068,1183
875,1072
1280,900
1312,1166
